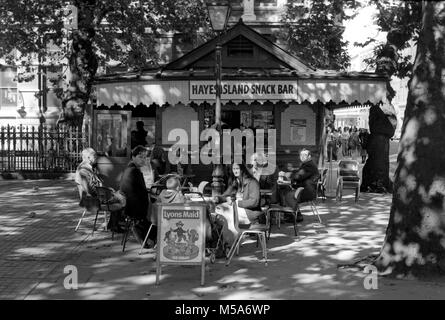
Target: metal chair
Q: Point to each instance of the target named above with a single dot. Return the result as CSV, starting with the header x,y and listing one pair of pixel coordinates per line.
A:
x,y
348,178
92,203
260,230
321,184
104,194
153,220
129,224
281,209
313,208
79,189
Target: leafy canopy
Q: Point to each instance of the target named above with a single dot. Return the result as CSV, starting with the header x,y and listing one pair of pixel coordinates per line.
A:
x,y
315,32
108,32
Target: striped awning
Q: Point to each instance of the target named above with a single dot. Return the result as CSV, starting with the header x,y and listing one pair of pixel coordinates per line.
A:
x,y
178,91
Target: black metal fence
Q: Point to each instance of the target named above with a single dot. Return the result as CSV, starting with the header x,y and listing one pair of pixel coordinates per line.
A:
x,y
40,149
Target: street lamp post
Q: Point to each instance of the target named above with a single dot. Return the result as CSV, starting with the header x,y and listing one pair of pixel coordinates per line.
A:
x,y
219,12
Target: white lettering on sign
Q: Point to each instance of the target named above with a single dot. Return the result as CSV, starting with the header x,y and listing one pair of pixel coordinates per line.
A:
x,y
246,90
181,214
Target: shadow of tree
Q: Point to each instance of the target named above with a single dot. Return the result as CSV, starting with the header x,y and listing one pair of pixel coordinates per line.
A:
x,y
302,267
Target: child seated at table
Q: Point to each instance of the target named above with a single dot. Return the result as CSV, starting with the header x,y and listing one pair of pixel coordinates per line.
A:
x,y
173,194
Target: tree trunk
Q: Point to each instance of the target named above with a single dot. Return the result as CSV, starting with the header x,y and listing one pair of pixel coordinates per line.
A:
x,y
415,237
82,65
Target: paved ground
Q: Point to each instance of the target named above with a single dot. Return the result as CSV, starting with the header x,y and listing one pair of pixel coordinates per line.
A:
x,y
37,249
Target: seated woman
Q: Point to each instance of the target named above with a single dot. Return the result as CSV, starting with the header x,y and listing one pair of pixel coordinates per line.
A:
x,y
246,190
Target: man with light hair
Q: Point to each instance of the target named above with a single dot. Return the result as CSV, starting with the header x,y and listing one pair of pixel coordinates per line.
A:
x,y
258,161
306,176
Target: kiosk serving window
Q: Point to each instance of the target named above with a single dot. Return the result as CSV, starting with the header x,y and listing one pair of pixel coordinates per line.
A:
x,y
112,132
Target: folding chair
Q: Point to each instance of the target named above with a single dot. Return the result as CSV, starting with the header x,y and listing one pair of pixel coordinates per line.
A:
x,y
153,220
321,185
129,224
313,208
348,178
79,189
91,203
104,194
257,229
279,209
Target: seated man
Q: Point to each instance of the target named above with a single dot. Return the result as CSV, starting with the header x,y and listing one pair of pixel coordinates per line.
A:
x,y
258,171
305,176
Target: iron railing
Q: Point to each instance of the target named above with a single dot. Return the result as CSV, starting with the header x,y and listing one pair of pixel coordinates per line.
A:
x,y
40,149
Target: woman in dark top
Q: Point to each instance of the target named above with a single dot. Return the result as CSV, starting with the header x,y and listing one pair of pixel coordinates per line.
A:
x,y
246,189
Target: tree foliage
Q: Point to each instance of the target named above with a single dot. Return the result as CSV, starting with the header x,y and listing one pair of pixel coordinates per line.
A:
x,y
119,31
315,32
401,21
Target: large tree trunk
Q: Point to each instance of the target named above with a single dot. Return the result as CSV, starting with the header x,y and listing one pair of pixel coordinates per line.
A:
x,y
82,65
415,237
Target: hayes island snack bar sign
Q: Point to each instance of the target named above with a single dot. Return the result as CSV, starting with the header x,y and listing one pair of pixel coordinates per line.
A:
x,y
244,90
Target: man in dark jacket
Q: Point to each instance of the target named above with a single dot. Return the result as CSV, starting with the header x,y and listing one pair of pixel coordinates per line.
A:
x,y
305,176
133,186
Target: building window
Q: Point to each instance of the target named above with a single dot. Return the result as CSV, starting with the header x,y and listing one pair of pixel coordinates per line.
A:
x,y
240,48
303,3
266,2
8,87
53,81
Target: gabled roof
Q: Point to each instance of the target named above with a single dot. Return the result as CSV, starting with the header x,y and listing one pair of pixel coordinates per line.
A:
x,y
239,29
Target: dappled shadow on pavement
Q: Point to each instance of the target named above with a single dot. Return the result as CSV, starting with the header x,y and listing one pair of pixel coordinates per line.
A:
x,y
302,267
37,224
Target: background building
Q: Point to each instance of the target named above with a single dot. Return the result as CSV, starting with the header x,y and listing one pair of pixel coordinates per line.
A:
x,y
20,102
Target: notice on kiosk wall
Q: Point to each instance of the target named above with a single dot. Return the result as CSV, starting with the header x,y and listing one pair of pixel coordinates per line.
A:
x,y
182,234
298,131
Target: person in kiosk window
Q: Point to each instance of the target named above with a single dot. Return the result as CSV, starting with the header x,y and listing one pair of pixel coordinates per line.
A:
x,y
139,136
305,176
133,187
